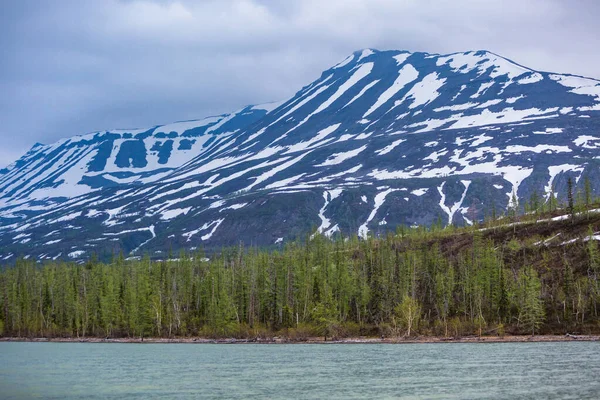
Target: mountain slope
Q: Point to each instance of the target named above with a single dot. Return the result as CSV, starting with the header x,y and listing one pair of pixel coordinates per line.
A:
x,y
380,140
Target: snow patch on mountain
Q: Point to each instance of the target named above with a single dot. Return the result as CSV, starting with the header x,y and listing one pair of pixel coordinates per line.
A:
x,y
425,91
556,170
363,230
451,211
328,196
406,75
339,158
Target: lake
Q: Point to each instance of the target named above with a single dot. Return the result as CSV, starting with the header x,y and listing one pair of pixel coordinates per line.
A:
x,y
351,371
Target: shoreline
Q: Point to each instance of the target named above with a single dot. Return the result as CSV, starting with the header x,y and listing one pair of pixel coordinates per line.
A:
x,y
319,340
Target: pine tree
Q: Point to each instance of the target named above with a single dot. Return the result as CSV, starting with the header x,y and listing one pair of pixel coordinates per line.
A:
x,y
444,284
588,191
593,269
552,201
532,311
588,196
571,203
534,202
502,296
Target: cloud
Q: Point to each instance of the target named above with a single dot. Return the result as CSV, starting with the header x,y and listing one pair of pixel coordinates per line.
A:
x,y
71,67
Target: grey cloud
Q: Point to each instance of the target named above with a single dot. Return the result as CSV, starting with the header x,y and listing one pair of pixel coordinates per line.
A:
x,y
70,67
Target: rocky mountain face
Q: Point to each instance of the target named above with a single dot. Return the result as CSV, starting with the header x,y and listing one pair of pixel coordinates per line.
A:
x,y
382,139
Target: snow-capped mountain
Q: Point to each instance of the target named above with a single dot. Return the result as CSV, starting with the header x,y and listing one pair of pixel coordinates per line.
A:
x,y
382,139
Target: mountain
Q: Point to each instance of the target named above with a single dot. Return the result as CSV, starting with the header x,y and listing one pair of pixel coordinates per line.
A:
x,y
382,139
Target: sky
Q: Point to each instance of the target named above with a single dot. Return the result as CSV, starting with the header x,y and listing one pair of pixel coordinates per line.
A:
x,y
70,67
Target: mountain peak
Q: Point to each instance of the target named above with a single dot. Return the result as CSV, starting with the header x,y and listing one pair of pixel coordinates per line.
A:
x,y
469,57
383,139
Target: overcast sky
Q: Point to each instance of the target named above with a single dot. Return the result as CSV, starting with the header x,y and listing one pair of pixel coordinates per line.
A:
x,y
74,66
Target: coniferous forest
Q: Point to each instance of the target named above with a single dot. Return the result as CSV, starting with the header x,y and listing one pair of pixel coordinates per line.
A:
x,y
534,274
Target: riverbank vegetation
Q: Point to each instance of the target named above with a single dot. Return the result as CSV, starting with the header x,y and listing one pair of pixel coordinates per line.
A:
x,y
534,274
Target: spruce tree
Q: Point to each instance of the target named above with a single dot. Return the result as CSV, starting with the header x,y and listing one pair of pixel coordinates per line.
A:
x,y
532,311
570,200
588,191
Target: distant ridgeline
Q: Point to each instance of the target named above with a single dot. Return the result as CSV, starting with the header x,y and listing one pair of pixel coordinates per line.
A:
x,y
382,140
528,275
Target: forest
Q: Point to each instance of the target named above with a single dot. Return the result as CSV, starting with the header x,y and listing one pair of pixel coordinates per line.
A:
x,y
535,273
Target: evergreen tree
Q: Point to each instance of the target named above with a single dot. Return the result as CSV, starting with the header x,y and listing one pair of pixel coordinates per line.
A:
x,y
552,201
534,202
570,200
503,302
532,311
588,191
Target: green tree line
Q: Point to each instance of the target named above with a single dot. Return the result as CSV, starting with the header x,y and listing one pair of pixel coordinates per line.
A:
x,y
415,282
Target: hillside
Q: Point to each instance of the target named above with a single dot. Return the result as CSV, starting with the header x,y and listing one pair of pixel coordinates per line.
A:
x,y
381,140
537,274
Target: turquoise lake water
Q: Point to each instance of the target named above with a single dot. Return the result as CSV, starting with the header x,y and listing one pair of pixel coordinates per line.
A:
x,y
369,371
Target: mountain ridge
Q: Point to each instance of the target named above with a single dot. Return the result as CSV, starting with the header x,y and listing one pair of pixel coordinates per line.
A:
x,y
381,139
